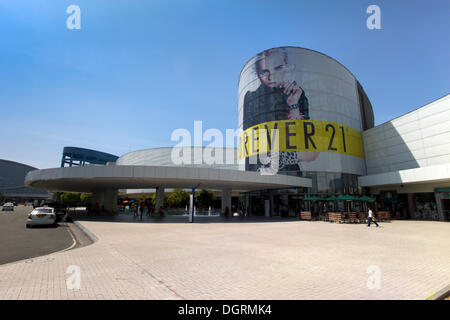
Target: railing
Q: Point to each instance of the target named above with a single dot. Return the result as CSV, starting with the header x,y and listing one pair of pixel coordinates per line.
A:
x,y
176,212
197,212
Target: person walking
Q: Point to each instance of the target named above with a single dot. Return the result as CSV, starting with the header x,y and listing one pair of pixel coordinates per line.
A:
x,y
149,208
371,218
141,211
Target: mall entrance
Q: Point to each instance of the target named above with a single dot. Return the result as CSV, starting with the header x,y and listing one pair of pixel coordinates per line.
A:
x,y
415,206
395,203
446,208
283,203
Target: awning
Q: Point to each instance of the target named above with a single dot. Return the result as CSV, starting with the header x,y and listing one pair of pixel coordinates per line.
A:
x,y
366,198
347,198
313,198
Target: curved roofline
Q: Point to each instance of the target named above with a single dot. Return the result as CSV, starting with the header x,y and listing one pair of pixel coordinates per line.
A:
x,y
18,163
77,179
294,48
170,148
97,151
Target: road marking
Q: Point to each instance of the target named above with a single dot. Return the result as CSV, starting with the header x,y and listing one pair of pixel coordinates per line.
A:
x,y
72,236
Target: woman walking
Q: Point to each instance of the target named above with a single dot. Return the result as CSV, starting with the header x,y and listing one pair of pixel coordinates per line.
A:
x,y
371,218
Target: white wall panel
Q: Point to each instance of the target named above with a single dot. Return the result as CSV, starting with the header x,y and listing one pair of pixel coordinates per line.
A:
x,y
417,139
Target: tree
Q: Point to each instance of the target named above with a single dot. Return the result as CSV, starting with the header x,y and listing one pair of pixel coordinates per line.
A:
x,y
178,198
86,199
204,198
70,198
57,196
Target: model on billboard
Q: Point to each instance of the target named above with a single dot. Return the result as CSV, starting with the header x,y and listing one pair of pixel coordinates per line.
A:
x,y
278,97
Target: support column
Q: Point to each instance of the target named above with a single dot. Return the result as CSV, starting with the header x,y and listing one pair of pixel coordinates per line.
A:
x,y
159,199
98,198
226,201
106,199
110,200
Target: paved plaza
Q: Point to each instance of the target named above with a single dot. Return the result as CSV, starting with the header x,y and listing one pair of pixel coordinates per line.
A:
x,y
252,260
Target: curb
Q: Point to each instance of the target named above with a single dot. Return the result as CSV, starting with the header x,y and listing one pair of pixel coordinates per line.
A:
x,y
86,232
74,243
442,294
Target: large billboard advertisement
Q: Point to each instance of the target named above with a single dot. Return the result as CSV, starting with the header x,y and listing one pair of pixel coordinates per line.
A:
x,y
301,108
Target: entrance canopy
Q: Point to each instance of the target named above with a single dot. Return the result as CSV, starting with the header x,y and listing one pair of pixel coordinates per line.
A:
x,y
94,178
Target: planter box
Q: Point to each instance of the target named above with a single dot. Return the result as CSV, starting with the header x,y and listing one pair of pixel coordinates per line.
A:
x,y
383,215
305,215
335,217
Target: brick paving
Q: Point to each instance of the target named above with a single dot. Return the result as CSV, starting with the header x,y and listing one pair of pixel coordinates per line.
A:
x,y
252,260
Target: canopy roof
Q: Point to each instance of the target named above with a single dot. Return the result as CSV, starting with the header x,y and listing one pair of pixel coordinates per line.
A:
x,y
94,178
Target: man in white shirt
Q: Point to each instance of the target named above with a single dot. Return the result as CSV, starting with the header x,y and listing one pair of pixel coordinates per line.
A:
x,y
371,217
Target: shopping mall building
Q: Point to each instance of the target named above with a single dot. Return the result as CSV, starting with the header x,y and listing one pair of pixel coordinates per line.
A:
x,y
12,175
306,129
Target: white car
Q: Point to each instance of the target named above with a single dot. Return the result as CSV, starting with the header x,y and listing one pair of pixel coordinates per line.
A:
x,y
42,216
9,206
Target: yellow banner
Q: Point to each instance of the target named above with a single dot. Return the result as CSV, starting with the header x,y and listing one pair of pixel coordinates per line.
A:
x,y
300,135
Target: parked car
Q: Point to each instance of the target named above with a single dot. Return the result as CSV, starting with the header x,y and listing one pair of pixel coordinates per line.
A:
x,y
42,216
60,209
9,206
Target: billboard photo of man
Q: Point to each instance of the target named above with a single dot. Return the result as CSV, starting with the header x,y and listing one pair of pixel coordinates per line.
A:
x,y
278,97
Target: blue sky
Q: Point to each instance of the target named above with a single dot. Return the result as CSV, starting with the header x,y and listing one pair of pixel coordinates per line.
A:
x,y
137,70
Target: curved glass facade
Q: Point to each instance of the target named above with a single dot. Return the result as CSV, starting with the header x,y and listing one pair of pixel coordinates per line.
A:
x,y
302,113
